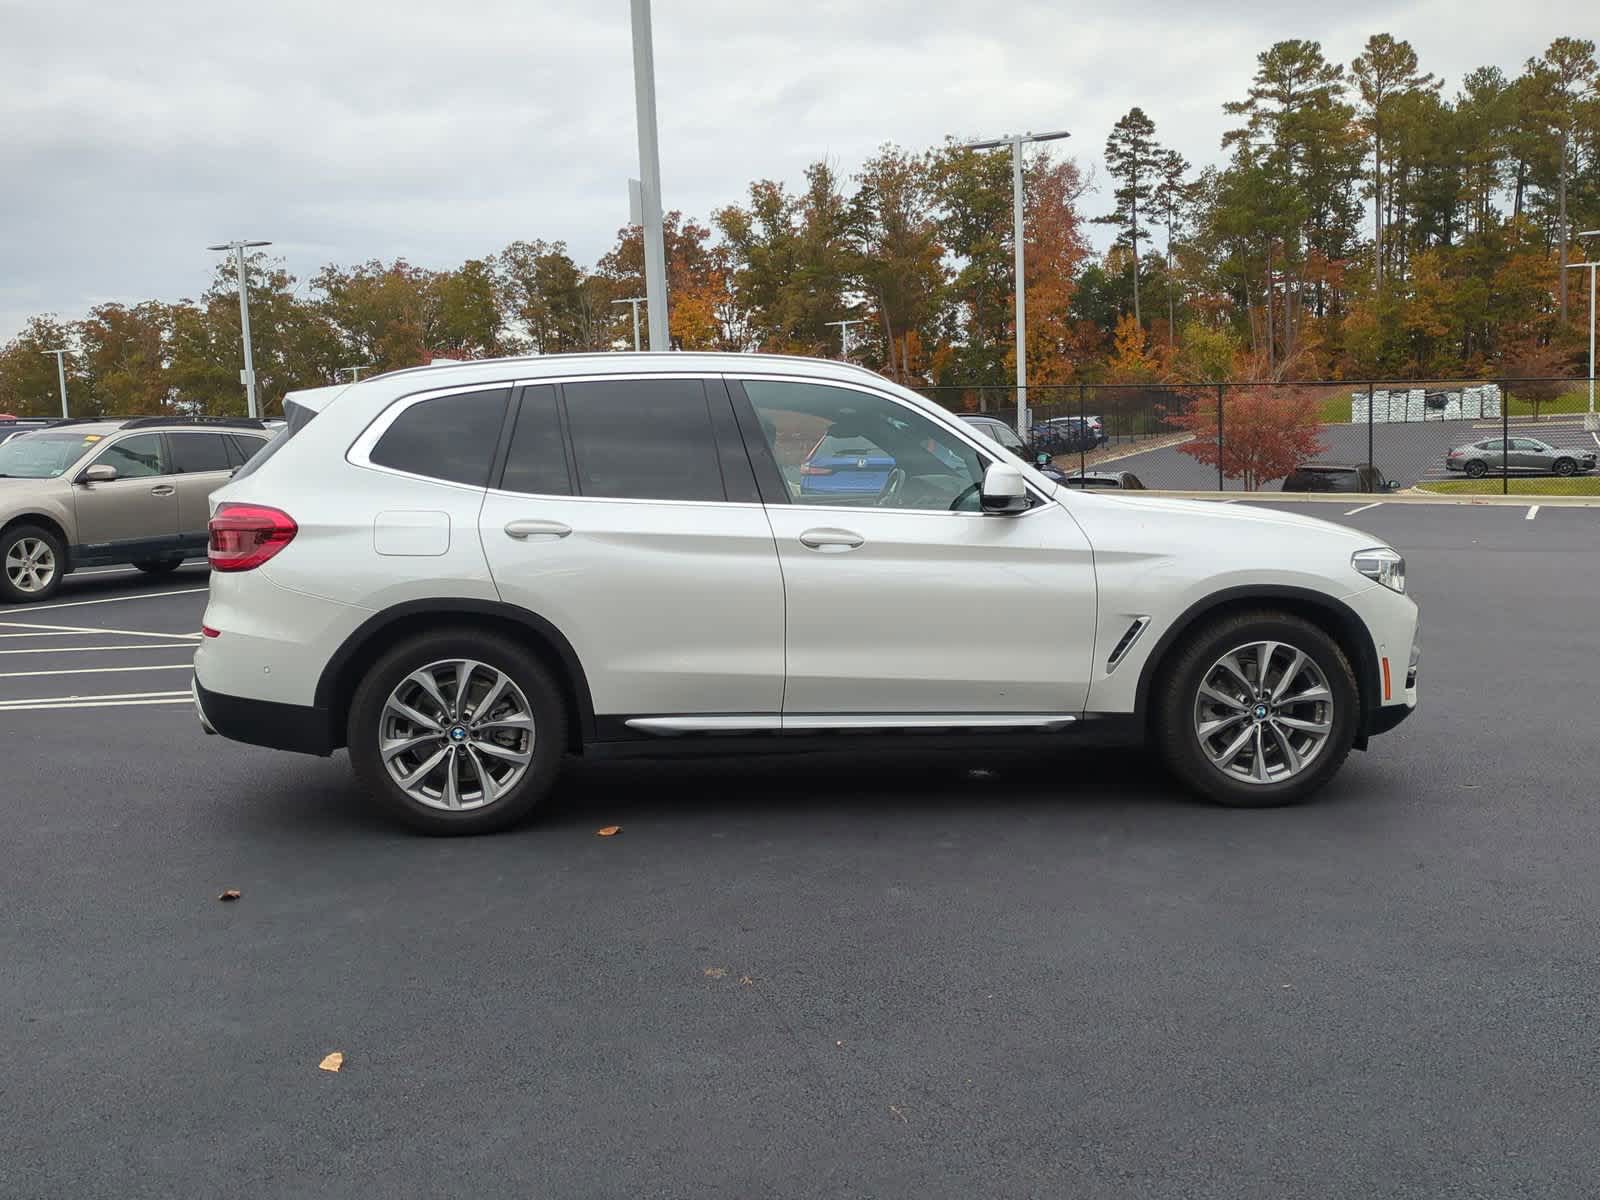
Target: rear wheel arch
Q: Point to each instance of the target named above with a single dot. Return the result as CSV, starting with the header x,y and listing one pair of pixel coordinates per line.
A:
x,y
1332,616
345,670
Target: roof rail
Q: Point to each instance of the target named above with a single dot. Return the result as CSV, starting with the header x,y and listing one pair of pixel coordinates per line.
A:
x,y
219,422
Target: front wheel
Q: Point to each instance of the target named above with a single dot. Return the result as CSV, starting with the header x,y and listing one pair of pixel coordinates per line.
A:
x,y
1565,466
1258,710
32,561
457,732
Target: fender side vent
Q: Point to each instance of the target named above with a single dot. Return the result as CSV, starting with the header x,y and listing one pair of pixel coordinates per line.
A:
x,y
1126,643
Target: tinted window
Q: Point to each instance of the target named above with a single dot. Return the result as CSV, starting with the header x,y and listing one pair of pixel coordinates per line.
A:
x,y
1528,444
136,457
242,448
537,460
838,446
448,437
198,452
1497,444
643,439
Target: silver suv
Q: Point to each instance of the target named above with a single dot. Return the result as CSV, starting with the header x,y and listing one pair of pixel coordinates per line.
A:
x,y
89,493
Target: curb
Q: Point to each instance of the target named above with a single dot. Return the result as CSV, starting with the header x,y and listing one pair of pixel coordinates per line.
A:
x,y
1355,498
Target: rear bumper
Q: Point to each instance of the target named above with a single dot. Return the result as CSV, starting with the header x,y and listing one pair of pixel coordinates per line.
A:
x,y
300,728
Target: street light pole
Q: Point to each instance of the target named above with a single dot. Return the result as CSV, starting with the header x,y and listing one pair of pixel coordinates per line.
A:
x,y
1591,422
248,375
1016,142
61,374
655,251
844,334
634,302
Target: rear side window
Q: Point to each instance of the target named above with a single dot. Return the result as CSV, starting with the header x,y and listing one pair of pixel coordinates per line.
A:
x,y
242,448
448,437
537,461
198,452
643,439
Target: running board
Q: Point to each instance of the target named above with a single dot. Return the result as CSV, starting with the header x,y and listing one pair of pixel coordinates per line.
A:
x,y
847,722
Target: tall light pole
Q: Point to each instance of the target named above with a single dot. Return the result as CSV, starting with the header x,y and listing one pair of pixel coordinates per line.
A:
x,y
634,302
248,375
655,247
61,373
1590,422
1016,142
844,334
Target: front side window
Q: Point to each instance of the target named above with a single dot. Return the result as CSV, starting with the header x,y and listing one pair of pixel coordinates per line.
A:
x,y
643,439
1530,444
43,455
447,437
137,457
838,446
195,452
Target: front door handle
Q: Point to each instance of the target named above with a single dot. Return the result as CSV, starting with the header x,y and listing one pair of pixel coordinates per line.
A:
x,y
162,489
545,531
831,541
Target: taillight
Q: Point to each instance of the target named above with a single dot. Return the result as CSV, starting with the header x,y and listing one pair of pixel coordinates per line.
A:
x,y
243,536
807,469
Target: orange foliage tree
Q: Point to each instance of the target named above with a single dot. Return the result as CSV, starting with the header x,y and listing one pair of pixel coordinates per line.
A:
x,y
1265,432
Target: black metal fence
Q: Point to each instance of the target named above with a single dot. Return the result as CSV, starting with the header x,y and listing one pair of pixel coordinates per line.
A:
x,y
1484,436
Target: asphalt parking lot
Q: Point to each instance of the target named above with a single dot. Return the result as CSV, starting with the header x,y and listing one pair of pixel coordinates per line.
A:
x,y
924,975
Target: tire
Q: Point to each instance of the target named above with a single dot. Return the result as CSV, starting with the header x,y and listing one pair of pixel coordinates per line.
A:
x,y
32,562
159,566
1477,468
1181,709
1565,466
532,689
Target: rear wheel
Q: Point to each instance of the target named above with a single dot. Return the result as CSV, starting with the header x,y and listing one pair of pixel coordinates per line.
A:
x,y
1477,468
32,562
1258,710
457,732
159,566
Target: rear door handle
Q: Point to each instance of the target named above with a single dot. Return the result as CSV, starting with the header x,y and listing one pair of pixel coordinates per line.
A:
x,y
162,489
831,541
545,531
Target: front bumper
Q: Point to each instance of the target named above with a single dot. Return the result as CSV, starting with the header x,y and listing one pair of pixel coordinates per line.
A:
x,y
300,728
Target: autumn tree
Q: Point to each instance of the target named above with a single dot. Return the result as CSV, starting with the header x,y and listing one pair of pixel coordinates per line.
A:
x,y
1266,432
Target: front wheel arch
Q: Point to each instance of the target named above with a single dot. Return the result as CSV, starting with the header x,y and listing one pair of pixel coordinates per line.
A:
x,y
1333,617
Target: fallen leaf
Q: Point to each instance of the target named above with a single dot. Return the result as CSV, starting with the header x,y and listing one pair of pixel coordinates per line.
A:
x,y
608,831
895,1109
230,894
746,980
838,1043
333,1062
716,972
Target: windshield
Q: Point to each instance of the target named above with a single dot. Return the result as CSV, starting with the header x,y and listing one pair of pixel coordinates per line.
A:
x,y
43,455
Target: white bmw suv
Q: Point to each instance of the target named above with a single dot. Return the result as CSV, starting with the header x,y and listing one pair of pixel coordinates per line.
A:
x,y
463,573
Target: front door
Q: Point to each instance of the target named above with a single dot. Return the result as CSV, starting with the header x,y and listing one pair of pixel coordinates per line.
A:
x,y
911,600
640,536
135,515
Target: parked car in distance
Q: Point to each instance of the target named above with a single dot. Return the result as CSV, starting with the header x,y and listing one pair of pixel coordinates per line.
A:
x,y
90,493
1338,477
1126,480
999,432
1061,435
1520,454
12,427
465,573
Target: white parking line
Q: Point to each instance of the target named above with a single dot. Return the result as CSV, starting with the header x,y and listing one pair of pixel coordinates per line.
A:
x,y
69,630
97,670
94,701
108,600
86,649
1532,513
1363,508
173,698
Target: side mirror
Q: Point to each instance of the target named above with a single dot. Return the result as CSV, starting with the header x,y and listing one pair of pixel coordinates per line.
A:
x,y
1003,490
99,473
1041,459
1392,485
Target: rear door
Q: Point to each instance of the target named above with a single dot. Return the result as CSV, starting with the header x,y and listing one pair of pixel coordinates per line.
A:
x,y
627,516
201,464
136,514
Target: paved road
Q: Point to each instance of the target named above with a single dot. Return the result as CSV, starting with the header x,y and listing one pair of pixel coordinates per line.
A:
x,y
828,976
1411,453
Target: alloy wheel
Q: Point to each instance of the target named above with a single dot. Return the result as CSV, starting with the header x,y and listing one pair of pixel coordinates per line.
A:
x,y
30,564
456,735
1263,712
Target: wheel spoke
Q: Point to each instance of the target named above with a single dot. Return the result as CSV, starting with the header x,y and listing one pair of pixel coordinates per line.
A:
x,y
1222,698
490,698
1288,676
486,783
1291,759
1227,756
452,792
1260,765
463,681
401,708
1264,653
1231,665
424,679
416,776
1304,726
494,750
395,746
515,720
1209,729
1317,691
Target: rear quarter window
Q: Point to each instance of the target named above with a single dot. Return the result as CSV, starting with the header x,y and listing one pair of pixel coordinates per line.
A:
x,y
451,438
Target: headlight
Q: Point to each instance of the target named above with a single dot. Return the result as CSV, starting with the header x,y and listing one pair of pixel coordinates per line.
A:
x,y
1382,564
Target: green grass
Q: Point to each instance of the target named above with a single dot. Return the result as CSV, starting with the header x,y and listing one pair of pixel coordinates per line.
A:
x,y
1577,400
1575,485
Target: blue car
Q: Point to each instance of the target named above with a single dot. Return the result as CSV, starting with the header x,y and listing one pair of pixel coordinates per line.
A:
x,y
845,466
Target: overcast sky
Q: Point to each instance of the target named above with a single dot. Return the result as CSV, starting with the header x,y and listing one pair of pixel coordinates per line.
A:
x,y
136,133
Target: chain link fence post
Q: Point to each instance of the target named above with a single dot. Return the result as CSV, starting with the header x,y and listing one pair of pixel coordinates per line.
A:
x,y
1221,389
1083,429
1505,439
1370,393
